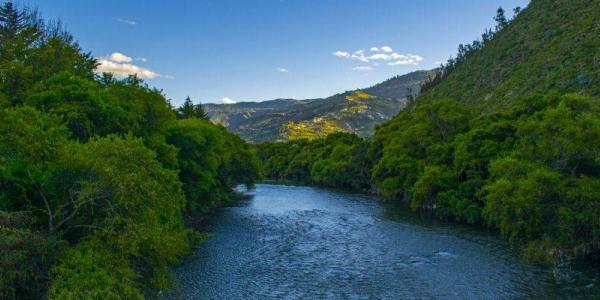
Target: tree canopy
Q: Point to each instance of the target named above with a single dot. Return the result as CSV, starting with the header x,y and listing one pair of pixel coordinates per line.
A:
x,y
505,136
97,172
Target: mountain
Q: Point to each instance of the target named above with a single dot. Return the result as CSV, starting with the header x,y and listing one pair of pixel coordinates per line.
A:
x,y
507,134
551,46
352,111
232,115
399,87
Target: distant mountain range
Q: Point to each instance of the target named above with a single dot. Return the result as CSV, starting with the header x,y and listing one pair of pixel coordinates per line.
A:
x,y
352,111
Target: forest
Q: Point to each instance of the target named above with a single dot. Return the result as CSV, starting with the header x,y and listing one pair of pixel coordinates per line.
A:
x,y
519,153
97,174
101,175
532,171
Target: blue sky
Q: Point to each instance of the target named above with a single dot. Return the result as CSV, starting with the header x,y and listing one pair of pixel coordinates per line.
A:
x,y
267,49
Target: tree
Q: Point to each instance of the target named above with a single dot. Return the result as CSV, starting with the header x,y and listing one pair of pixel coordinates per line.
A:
x,y
14,22
517,10
190,110
23,257
211,162
90,271
410,97
487,35
199,154
80,102
338,160
135,212
31,51
500,19
91,204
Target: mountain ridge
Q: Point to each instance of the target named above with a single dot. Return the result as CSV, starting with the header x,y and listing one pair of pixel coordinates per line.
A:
x,y
553,38
282,119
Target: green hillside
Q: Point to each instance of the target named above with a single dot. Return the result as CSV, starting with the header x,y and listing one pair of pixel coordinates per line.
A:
x,y
507,136
553,45
401,86
284,119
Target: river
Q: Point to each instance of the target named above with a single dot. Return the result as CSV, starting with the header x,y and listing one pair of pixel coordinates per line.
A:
x,y
288,242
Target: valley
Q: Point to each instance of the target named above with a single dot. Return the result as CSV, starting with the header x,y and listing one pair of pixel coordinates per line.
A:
x,y
355,112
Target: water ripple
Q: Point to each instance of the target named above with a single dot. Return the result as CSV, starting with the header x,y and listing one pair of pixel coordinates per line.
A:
x,y
308,243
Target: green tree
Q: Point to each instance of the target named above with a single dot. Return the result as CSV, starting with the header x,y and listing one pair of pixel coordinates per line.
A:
x,y
339,160
91,271
24,256
500,19
517,10
31,50
211,161
190,110
91,201
199,147
135,212
421,135
542,193
80,102
135,108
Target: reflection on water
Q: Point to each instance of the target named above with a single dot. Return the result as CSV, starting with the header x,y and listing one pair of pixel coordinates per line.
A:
x,y
290,242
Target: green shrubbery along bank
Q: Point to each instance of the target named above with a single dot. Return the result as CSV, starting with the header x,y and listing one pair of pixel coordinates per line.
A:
x,y
96,173
506,135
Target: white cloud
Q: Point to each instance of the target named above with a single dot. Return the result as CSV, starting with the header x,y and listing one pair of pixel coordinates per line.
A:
x,y
119,65
360,58
386,49
408,59
283,70
119,57
385,53
387,57
168,77
359,55
142,59
362,68
380,56
128,22
395,56
124,69
226,100
341,54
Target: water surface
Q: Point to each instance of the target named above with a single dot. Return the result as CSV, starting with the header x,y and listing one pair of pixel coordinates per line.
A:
x,y
289,242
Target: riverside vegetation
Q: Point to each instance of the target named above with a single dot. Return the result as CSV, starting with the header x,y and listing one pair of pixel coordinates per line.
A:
x,y
97,174
507,135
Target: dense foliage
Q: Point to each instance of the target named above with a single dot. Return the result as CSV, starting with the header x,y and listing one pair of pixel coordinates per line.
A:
x,y
550,46
526,163
500,140
531,171
96,173
211,162
339,160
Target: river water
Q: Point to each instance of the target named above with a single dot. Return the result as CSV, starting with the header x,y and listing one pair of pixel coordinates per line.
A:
x,y
288,242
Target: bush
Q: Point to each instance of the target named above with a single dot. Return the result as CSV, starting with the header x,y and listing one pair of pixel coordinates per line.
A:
x,y
339,160
91,271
